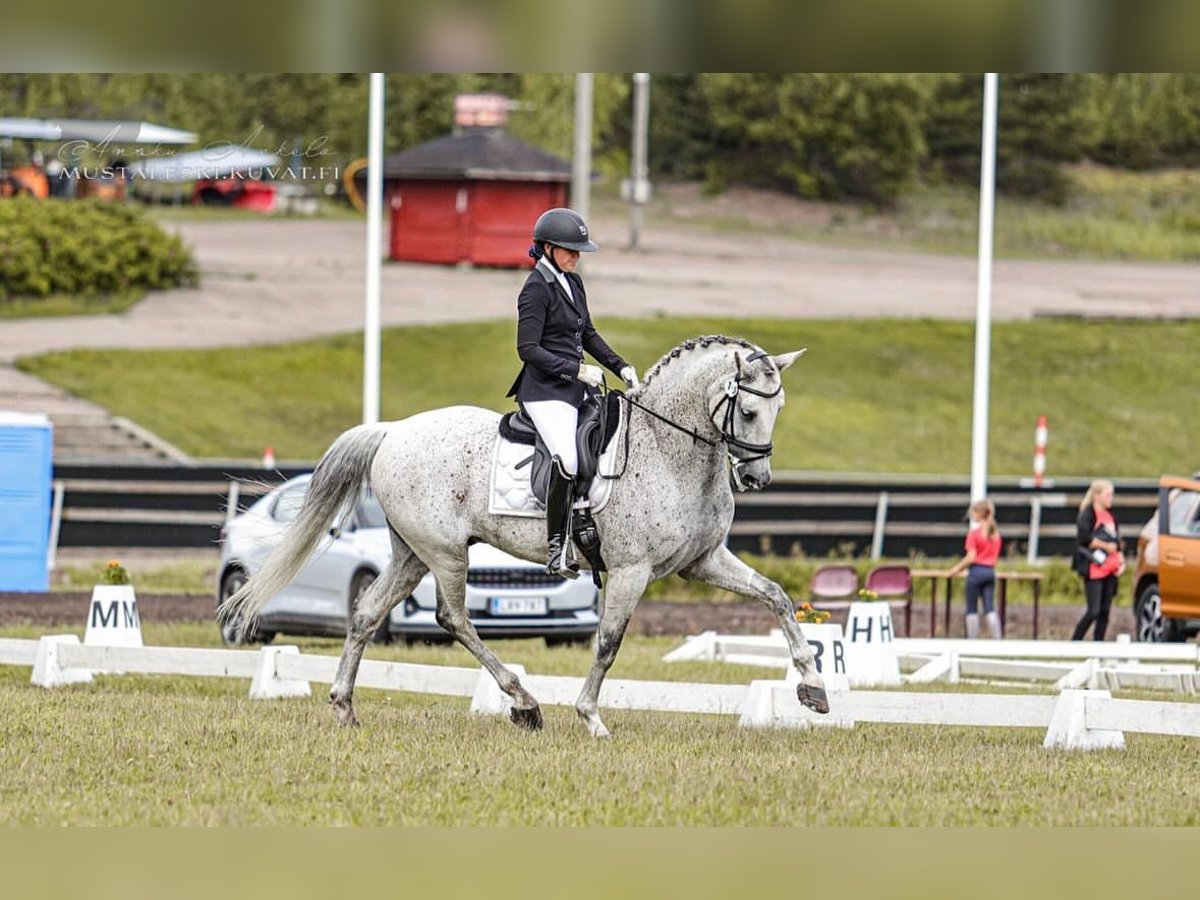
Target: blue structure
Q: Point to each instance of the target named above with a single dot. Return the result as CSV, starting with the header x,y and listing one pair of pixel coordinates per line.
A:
x,y
26,468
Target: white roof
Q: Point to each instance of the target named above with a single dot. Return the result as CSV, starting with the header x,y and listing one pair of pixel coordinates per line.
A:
x,y
122,132
30,129
98,130
212,162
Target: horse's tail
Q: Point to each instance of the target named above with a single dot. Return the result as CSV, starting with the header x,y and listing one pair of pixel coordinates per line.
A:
x,y
335,485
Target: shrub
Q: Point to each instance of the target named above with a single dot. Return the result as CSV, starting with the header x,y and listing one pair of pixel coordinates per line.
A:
x,y
85,248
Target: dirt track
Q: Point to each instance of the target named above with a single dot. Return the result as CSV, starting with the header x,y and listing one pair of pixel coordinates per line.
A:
x,y
270,280
651,618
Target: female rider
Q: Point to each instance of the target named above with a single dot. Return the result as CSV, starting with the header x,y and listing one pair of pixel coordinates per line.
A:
x,y
554,328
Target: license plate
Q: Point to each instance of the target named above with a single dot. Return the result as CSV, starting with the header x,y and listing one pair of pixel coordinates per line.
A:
x,y
518,606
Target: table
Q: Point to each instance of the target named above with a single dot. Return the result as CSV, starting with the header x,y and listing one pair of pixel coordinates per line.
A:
x,y
1002,580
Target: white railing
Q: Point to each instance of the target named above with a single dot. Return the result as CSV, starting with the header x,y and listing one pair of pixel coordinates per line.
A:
x,y
1066,664
1074,719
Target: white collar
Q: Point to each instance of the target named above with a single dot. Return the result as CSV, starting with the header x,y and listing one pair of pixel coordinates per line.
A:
x,y
561,276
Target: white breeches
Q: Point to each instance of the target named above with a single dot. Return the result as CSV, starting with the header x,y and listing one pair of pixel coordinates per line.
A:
x,y
556,422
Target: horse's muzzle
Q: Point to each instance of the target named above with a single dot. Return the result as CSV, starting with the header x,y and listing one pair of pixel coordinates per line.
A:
x,y
756,482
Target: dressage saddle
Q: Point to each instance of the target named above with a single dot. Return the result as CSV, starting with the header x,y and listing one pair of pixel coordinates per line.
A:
x,y
598,418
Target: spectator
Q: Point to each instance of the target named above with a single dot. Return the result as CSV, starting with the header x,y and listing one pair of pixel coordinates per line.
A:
x,y
982,550
1098,558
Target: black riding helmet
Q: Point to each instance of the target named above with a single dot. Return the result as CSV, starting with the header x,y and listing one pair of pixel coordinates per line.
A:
x,y
564,228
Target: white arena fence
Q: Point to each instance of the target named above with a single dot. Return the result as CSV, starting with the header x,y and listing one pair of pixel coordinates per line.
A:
x,y
1065,664
1075,719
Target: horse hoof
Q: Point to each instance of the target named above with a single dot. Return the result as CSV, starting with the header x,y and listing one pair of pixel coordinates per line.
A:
x,y
529,719
345,714
814,698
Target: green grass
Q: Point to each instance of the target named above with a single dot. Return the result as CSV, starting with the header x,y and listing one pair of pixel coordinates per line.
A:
x,y
1109,214
165,751
793,574
68,305
183,576
870,396
188,212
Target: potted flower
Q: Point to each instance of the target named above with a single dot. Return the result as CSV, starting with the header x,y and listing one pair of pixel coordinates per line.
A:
x,y
114,573
806,615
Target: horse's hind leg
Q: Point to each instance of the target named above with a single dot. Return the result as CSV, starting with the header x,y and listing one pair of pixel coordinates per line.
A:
x,y
397,582
622,590
452,615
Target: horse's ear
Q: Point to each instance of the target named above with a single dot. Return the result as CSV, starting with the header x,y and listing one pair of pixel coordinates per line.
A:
x,y
783,360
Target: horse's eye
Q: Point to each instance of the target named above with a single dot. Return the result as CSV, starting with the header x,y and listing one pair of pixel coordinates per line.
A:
x,y
749,415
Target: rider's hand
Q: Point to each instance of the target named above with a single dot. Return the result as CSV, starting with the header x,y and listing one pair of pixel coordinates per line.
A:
x,y
629,375
592,375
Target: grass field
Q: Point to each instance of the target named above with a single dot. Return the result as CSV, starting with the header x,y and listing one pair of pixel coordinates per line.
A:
x,y
139,750
870,396
68,305
1109,214
792,573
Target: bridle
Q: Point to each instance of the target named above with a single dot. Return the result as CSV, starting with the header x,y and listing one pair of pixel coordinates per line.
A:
x,y
733,387
729,438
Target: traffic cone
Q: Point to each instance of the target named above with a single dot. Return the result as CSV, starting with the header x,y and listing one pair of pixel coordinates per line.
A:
x,y
268,457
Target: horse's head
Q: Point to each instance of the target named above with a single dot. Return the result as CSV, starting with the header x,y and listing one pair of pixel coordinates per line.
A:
x,y
744,403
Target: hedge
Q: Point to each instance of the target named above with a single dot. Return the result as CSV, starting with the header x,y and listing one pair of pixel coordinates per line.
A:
x,y
85,248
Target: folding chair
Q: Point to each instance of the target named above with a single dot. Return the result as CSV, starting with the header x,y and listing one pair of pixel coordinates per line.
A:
x,y
834,582
894,584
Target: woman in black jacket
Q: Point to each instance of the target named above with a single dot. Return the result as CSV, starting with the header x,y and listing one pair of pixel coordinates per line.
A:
x,y
554,328
1098,558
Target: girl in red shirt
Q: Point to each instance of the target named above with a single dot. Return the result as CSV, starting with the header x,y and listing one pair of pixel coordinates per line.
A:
x,y
982,550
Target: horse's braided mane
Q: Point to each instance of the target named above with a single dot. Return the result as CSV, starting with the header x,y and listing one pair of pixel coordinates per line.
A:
x,y
690,344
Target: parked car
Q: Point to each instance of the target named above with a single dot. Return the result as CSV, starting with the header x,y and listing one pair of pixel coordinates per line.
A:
x,y
1166,582
506,596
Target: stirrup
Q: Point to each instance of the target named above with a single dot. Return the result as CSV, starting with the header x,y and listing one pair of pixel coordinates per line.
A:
x,y
561,561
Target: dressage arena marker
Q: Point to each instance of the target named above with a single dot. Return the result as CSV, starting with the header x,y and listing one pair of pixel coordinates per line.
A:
x,y
870,645
1073,720
113,619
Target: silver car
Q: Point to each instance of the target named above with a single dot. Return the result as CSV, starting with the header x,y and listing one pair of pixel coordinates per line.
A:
x,y
506,596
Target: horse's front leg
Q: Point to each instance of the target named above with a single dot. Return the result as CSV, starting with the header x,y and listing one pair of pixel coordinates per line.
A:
x,y
622,591
722,569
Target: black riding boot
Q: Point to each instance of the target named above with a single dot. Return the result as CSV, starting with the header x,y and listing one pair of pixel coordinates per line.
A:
x,y
559,496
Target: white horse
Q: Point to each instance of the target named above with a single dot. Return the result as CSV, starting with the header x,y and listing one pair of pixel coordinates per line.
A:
x,y
702,418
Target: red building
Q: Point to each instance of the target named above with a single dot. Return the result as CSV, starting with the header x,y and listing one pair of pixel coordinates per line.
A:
x,y
471,197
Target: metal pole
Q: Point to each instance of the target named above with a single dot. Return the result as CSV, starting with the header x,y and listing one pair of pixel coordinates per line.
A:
x,y
983,306
640,175
581,160
232,498
1035,529
881,511
55,525
374,250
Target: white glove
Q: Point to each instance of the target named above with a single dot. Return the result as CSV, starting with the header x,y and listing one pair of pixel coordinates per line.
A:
x,y
629,374
592,375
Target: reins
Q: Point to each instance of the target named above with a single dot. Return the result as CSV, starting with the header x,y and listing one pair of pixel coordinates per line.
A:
x,y
728,436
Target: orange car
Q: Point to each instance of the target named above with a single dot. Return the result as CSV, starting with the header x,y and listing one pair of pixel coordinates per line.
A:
x,y
1166,583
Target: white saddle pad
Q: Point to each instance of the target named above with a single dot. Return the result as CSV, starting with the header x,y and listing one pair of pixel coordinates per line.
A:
x,y
511,494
